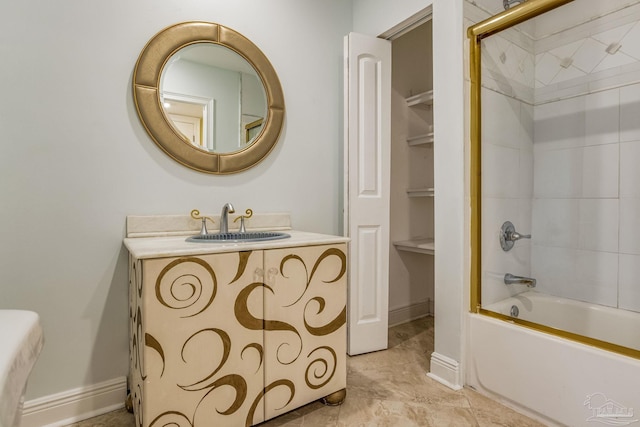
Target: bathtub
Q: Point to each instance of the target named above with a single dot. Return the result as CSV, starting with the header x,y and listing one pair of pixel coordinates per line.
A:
x,y
595,321
555,380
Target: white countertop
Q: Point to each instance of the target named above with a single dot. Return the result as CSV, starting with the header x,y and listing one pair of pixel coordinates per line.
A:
x,y
21,340
170,246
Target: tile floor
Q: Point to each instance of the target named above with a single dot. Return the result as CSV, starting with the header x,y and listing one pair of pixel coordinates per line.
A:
x,y
387,388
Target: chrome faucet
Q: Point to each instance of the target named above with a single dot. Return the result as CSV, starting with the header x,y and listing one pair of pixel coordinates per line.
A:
x,y
224,217
509,235
510,279
195,214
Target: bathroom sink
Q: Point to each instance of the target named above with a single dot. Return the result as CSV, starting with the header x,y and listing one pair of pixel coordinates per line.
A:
x,y
251,236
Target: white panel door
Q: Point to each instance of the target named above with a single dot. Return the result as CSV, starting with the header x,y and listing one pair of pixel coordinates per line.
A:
x,y
367,182
188,126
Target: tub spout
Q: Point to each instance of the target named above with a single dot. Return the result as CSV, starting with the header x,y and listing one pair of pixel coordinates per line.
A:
x,y
510,279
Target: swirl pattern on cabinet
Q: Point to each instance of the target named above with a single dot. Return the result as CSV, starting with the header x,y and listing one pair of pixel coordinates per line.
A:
x,y
212,346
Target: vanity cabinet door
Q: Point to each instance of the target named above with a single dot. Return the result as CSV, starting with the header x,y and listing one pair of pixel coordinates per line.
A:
x,y
305,325
197,340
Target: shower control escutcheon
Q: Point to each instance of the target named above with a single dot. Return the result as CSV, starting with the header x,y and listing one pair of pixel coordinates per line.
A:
x,y
509,235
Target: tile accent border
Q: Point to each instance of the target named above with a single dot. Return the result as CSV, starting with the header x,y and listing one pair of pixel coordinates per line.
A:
x,y
75,405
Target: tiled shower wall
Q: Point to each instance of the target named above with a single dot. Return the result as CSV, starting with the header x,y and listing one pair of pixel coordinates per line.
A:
x,y
586,198
563,161
507,189
586,206
507,150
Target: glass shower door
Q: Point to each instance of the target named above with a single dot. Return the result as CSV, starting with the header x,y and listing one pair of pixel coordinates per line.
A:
x,y
556,190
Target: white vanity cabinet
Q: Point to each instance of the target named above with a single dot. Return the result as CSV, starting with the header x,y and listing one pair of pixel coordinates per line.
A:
x,y
233,338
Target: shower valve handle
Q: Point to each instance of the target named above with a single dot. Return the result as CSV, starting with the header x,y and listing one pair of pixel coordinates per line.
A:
x,y
517,236
509,235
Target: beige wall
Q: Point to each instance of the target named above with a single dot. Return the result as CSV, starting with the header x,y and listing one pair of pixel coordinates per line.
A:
x,y
75,159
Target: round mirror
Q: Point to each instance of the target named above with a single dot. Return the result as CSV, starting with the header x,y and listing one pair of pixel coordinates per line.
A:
x,y
214,97
208,97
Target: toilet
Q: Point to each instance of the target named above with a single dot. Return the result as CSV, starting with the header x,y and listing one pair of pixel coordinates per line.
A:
x,y
21,339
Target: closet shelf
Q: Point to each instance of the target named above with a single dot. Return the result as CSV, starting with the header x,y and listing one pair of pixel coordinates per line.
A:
x,y
424,99
421,246
424,139
420,192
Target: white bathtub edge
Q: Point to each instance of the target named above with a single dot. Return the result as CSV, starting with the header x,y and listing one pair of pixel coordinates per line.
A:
x,y
74,405
546,377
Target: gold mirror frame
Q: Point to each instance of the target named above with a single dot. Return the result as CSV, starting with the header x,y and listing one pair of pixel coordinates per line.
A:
x,y
146,94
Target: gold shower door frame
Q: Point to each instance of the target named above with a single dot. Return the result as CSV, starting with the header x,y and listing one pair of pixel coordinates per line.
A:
x,y
476,34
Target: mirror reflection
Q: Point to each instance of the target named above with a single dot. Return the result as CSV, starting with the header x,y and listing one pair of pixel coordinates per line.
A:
x,y
213,97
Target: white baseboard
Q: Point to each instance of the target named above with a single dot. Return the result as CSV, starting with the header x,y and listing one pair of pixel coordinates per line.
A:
x,y
446,371
75,405
410,312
